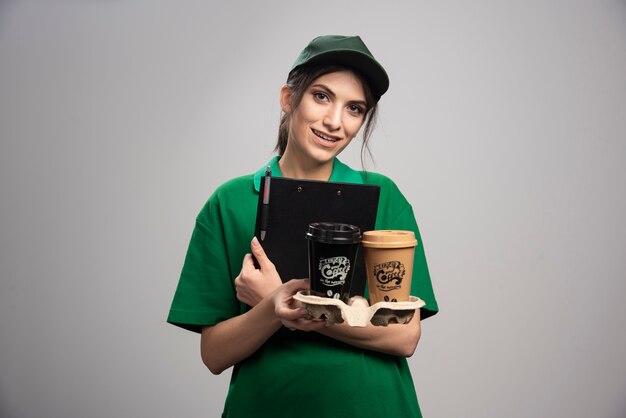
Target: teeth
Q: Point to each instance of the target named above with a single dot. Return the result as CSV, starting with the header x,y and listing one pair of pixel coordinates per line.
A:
x,y
321,135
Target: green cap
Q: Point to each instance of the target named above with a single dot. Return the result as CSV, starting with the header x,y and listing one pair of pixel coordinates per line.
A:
x,y
349,51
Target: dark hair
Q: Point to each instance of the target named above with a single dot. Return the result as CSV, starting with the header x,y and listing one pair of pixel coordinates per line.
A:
x,y
300,79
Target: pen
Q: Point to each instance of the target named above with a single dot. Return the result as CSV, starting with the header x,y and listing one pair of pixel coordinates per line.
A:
x,y
265,214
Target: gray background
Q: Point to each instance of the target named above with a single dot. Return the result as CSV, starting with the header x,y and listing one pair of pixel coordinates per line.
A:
x,y
505,126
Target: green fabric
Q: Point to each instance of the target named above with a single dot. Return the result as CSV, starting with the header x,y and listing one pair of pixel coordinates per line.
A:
x,y
294,373
341,173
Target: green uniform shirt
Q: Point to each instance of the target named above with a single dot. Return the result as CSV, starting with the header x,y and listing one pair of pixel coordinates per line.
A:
x,y
294,374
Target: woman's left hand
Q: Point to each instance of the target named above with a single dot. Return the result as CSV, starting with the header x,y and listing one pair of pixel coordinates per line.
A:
x,y
290,312
252,284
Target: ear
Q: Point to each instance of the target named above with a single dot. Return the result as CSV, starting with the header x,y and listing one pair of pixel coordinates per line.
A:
x,y
285,98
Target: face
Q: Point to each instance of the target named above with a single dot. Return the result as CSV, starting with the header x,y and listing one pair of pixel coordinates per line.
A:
x,y
329,116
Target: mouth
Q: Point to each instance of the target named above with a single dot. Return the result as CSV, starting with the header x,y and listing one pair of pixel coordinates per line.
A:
x,y
324,137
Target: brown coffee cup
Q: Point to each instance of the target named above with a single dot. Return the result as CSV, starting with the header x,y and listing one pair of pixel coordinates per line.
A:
x,y
389,264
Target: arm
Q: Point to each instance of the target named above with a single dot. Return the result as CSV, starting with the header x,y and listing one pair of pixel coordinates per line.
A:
x,y
254,285
394,339
222,345
227,343
231,341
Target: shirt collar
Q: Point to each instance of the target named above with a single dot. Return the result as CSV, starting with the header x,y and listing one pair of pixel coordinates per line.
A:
x,y
341,173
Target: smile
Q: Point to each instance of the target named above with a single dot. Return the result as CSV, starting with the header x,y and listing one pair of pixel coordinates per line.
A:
x,y
324,137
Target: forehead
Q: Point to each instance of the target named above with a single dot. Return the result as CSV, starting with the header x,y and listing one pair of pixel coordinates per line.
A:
x,y
344,84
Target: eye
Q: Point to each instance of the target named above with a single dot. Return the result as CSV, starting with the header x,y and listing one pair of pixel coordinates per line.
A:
x,y
356,109
320,96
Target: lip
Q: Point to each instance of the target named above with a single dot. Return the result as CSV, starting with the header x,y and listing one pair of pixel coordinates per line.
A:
x,y
322,141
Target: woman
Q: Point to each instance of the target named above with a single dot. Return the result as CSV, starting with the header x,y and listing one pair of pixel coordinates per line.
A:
x,y
246,316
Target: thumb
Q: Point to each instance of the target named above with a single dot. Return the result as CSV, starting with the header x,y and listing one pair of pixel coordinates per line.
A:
x,y
295,285
259,254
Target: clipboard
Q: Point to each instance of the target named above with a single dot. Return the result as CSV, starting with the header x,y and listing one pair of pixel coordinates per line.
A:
x,y
294,204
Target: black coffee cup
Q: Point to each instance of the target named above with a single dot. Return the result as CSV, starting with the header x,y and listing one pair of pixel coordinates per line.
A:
x,y
332,257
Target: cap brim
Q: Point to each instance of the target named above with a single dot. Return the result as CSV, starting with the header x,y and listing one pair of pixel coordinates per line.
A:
x,y
370,69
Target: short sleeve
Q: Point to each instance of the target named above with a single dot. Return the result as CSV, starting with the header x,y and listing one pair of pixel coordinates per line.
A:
x,y
421,285
205,294
395,212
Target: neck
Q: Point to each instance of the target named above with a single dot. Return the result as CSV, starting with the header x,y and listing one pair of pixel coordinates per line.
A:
x,y
306,171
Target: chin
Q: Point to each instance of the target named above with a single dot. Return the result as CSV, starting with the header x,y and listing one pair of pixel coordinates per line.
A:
x,y
322,157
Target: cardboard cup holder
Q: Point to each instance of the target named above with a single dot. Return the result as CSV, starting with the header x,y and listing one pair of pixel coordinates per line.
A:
x,y
357,312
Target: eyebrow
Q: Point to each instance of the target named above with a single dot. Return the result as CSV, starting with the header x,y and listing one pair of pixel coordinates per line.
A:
x,y
332,93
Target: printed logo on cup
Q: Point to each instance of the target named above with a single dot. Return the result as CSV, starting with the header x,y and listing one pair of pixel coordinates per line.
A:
x,y
334,270
389,275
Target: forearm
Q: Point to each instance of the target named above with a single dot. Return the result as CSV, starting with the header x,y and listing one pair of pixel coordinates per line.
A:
x,y
395,339
231,341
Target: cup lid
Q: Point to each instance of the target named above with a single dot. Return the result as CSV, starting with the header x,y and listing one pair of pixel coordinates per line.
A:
x,y
334,233
389,239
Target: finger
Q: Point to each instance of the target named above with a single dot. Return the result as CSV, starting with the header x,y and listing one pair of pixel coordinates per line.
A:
x,y
305,325
241,294
295,285
259,254
248,262
288,314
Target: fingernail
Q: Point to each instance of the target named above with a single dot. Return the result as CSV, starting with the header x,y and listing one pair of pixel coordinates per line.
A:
x,y
255,241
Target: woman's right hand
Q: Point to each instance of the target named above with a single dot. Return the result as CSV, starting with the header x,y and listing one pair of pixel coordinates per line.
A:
x,y
252,284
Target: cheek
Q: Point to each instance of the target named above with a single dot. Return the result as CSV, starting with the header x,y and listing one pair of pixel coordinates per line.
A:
x,y
352,126
297,124
308,113
301,118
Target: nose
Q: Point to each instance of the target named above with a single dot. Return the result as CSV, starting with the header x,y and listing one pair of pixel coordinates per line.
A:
x,y
332,119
